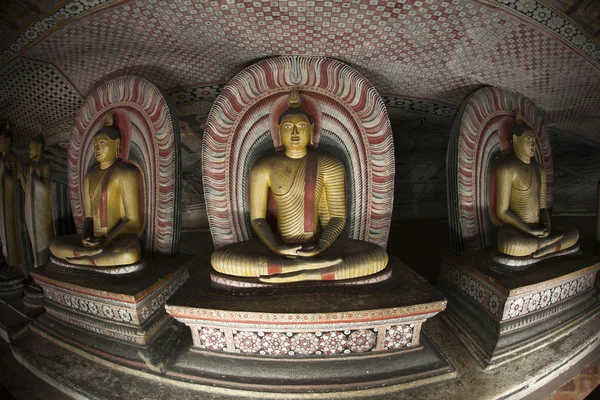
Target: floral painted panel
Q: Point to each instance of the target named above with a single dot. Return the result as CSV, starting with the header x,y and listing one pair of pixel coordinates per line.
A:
x,y
306,343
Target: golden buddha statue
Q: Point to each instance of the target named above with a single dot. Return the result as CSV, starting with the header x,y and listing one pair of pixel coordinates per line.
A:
x,y
111,205
37,186
8,185
309,192
521,203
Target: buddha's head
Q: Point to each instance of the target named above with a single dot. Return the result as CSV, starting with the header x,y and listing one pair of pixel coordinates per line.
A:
x,y
5,139
295,127
107,143
36,147
524,143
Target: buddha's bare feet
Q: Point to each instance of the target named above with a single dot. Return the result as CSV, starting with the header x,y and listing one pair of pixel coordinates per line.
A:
x,y
83,260
293,277
549,248
307,264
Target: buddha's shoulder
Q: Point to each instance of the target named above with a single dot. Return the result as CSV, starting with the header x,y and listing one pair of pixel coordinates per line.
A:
x,y
507,163
268,161
119,168
124,167
328,160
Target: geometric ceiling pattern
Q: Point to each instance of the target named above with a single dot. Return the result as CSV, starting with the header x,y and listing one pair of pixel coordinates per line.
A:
x,y
34,95
432,52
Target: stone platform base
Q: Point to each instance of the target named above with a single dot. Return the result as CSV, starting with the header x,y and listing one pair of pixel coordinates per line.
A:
x,y
319,338
83,375
500,317
117,317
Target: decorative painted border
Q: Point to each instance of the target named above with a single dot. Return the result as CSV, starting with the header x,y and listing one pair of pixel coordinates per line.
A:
x,y
193,315
473,141
112,330
517,307
394,104
491,300
543,15
307,343
138,298
133,314
354,120
162,163
547,294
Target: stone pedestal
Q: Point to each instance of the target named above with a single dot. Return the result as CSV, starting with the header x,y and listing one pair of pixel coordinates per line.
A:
x,y
301,336
501,316
117,317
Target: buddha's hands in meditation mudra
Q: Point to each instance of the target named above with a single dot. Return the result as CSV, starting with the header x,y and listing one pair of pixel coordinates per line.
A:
x,y
309,192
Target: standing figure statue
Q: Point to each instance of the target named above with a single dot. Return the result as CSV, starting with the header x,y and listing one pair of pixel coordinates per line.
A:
x,y
521,203
37,186
309,192
598,221
114,221
8,187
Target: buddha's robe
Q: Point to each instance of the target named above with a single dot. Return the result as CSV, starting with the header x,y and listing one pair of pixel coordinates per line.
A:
x,y
38,209
8,220
110,196
302,213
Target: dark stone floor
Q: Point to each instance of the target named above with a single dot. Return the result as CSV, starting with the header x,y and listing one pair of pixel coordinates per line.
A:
x,y
17,382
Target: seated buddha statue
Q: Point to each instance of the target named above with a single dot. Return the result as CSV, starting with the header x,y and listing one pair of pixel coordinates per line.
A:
x,y
521,203
111,206
308,189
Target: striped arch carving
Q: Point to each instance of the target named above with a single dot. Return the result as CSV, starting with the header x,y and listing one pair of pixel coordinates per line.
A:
x,y
481,133
149,139
352,125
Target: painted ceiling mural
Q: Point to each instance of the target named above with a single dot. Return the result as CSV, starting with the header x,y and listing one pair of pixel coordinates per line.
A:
x,y
425,57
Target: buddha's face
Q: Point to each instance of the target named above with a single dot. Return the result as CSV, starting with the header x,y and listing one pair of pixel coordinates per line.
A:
x,y
295,131
4,144
524,145
35,150
105,148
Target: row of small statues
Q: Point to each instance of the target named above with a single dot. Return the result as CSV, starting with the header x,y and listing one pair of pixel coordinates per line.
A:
x,y
309,192
35,179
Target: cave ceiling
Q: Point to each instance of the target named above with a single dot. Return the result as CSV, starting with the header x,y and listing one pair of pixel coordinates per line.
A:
x,y
424,57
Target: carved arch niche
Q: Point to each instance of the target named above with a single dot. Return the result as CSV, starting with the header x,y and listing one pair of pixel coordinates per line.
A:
x,y
351,123
149,139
